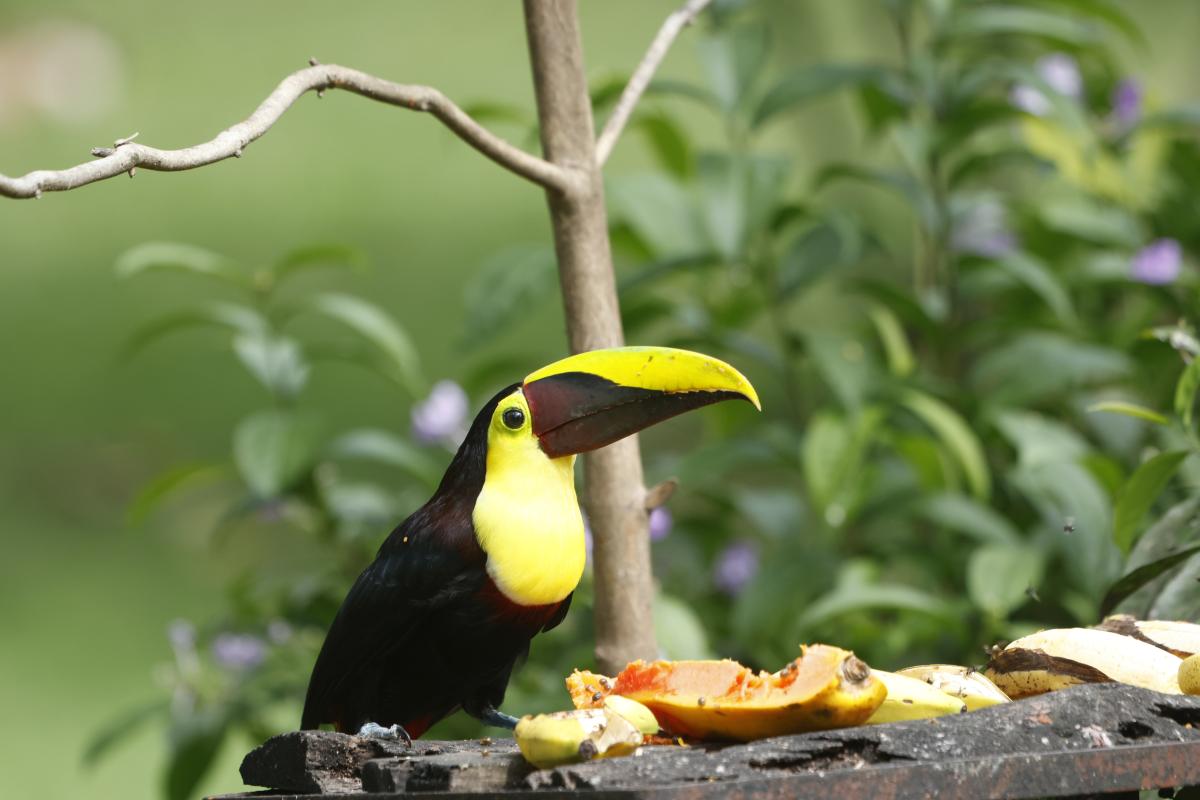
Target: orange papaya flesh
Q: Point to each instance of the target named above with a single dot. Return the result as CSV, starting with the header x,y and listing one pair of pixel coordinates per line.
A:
x,y
825,687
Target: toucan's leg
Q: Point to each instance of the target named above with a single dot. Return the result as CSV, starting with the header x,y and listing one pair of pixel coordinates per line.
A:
x,y
489,715
373,731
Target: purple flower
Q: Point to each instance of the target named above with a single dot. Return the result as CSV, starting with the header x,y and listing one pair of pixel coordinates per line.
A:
x,y
982,230
1061,74
1127,103
239,651
442,417
661,522
736,566
1157,263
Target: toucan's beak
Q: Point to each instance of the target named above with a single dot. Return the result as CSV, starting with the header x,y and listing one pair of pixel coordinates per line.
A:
x,y
592,399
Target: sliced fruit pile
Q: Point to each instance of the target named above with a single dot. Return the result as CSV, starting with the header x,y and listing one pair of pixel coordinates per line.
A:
x,y
827,687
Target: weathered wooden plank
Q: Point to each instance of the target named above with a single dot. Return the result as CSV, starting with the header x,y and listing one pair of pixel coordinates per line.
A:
x,y
1085,740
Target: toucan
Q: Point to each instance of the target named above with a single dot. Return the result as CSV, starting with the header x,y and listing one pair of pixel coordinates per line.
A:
x,y
439,619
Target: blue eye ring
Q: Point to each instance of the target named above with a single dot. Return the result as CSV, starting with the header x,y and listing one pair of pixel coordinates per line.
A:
x,y
513,418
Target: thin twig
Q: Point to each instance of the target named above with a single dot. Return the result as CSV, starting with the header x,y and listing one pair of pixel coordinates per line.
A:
x,y
660,493
125,154
641,77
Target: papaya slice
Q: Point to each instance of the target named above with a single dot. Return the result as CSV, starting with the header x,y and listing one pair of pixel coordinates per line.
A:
x,y
826,687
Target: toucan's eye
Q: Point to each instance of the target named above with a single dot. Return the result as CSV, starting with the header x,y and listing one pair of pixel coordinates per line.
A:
x,y
514,418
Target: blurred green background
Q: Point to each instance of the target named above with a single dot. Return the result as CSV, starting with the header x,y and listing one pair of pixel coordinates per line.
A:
x,y
86,597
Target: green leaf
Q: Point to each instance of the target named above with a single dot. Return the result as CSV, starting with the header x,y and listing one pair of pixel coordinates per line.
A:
x,y
1036,366
1140,492
1000,20
1034,274
1076,513
1129,410
733,59
1179,597
679,632
910,190
668,142
843,364
506,287
372,444
121,728
400,360
737,196
231,316
659,211
319,256
1040,440
155,491
847,598
895,342
998,576
1185,393
276,361
360,507
817,80
956,434
1077,215
961,513
273,450
194,744
828,456
816,251
1106,12
1131,582
661,87
177,257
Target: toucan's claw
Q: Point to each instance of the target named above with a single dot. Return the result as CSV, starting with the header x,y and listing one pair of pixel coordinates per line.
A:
x,y
497,719
371,730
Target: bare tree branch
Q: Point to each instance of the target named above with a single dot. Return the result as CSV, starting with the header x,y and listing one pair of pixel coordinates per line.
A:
x,y
126,155
641,77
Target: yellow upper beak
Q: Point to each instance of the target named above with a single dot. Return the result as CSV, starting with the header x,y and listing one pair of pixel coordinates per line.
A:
x,y
588,400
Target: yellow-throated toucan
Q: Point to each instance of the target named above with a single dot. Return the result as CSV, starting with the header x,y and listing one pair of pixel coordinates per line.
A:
x,y
456,592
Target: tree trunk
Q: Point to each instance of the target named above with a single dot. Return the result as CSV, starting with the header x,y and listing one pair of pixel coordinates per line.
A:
x,y
614,494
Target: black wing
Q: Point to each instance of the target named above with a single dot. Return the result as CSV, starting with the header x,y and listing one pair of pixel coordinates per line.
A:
x,y
427,563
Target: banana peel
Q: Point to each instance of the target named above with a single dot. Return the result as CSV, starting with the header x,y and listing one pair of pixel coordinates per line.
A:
x,y
912,698
569,737
1057,658
964,683
1176,637
826,687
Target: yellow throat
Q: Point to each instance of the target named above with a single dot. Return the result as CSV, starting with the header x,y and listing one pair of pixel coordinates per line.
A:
x,y
527,517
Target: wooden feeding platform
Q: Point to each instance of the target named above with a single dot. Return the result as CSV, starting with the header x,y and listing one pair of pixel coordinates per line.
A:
x,y
1093,740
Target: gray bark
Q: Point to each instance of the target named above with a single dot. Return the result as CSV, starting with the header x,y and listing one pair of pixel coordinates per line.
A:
x,y
614,495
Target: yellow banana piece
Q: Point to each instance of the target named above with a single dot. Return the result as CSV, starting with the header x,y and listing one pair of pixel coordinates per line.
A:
x,y
568,737
1174,636
1061,657
965,683
1189,675
641,717
912,698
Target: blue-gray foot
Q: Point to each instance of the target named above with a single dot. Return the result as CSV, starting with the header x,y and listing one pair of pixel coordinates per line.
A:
x,y
497,719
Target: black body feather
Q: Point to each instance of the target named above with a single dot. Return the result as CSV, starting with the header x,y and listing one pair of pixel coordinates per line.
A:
x,y
424,631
